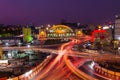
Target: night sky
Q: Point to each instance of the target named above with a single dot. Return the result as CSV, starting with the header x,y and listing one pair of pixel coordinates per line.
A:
x,y
53,11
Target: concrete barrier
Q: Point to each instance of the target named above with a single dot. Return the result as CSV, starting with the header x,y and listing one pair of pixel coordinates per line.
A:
x,y
117,75
15,78
107,73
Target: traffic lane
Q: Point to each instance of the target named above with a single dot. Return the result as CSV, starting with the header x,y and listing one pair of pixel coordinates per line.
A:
x,y
90,73
85,68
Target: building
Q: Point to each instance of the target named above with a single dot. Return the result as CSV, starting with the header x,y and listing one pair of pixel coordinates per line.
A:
x,y
117,27
10,30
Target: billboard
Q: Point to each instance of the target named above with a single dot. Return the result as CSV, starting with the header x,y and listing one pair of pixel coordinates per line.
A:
x,y
27,37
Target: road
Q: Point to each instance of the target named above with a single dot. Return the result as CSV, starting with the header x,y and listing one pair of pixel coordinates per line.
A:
x,y
86,68
57,72
62,67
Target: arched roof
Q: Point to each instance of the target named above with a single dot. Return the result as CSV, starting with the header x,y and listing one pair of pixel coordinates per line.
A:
x,y
61,27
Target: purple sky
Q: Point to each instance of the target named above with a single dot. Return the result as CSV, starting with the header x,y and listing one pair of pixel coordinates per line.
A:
x,y
52,11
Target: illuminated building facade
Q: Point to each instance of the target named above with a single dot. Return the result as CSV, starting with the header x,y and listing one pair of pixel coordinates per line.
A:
x,y
98,34
60,31
117,27
27,37
42,35
79,33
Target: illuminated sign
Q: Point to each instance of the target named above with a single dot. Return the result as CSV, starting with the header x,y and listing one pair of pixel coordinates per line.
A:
x,y
97,31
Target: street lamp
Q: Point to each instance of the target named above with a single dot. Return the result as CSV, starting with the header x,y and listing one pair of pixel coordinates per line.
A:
x,y
6,44
118,50
19,44
28,45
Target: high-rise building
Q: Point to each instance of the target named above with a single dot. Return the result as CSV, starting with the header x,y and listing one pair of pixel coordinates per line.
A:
x,y
117,27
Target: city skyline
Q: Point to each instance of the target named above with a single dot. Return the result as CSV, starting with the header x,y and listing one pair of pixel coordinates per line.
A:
x,y
40,12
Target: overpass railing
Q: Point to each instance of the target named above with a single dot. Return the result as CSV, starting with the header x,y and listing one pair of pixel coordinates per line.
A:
x,y
107,73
